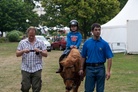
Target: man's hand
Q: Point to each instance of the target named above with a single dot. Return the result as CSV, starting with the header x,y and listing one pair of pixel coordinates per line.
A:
x,y
26,51
108,75
21,52
37,50
81,72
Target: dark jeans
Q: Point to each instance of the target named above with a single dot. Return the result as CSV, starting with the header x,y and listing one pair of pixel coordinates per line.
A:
x,y
66,51
31,79
95,76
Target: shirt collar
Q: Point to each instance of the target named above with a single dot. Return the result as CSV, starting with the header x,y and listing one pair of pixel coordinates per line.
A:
x,y
100,39
29,42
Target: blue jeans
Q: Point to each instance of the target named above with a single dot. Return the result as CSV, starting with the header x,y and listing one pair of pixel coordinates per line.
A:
x,y
66,51
95,76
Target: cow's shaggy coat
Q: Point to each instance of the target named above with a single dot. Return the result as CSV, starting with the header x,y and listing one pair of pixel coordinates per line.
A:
x,y
70,73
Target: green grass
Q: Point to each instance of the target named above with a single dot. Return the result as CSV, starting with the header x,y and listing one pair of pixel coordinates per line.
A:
x,y
124,73
7,48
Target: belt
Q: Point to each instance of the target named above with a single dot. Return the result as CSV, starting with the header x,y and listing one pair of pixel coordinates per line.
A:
x,y
94,64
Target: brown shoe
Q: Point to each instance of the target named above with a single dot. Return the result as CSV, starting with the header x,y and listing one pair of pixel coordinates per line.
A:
x,y
59,70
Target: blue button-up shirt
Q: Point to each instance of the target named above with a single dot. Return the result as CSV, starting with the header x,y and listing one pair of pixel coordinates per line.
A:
x,y
96,51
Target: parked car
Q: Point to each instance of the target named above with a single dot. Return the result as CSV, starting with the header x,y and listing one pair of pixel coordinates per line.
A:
x,y
40,37
59,43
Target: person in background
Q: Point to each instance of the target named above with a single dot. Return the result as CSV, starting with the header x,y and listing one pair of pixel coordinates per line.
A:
x,y
95,52
31,51
74,39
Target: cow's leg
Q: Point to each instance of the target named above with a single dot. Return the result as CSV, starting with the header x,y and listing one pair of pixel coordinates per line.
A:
x,y
75,89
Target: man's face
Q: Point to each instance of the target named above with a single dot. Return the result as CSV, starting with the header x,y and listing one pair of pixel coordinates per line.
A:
x,y
31,35
73,28
97,31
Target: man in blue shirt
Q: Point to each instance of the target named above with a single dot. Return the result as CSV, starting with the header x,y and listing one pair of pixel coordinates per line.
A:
x,y
94,54
74,38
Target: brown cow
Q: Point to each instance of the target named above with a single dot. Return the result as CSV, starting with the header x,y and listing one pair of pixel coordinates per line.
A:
x,y
70,73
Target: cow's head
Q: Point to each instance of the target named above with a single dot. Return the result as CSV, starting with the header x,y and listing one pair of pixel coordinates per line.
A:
x,y
71,67
69,73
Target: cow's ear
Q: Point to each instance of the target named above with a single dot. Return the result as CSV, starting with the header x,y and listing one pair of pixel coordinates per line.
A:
x,y
62,63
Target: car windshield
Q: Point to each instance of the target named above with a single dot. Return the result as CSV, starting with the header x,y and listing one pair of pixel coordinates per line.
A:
x,y
41,38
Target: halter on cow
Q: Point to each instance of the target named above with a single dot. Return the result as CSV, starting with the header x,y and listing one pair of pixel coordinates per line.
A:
x,y
70,73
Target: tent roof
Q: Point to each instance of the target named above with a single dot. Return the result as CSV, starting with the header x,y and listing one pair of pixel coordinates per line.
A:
x,y
129,12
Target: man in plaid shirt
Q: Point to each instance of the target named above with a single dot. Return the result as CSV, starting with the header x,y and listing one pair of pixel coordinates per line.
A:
x,y
31,50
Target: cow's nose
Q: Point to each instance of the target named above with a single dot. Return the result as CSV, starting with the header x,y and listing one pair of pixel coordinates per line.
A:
x,y
68,88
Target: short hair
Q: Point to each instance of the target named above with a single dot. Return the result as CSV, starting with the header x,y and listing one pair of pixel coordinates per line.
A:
x,y
31,28
95,25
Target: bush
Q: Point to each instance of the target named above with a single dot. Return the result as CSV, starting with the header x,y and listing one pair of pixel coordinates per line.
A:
x,y
14,36
3,39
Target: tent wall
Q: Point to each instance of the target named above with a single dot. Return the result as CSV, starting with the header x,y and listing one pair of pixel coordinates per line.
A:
x,y
116,37
132,36
117,34
115,30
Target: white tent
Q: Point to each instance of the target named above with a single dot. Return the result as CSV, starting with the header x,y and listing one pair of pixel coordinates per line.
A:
x,y
115,31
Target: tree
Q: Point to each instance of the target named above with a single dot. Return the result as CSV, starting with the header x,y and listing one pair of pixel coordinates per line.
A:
x,y
13,15
60,12
122,3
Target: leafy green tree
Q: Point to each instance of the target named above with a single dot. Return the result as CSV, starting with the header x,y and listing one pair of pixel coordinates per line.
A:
x,y
122,3
14,13
60,12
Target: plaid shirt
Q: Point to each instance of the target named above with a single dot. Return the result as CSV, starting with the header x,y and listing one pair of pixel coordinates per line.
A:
x,y
30,61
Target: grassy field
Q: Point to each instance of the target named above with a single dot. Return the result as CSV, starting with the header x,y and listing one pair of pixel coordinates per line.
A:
x,y
124,76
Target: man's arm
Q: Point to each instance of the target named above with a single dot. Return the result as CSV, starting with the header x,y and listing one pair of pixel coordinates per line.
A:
x,y
21,52
82,66
109,64
44,53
